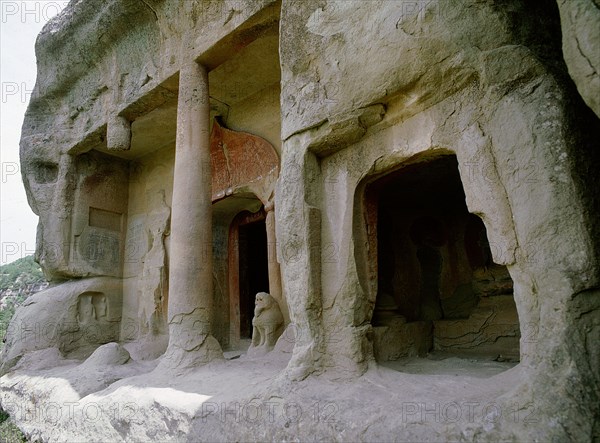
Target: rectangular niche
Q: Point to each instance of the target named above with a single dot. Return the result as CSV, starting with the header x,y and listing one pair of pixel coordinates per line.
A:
x,y
100,218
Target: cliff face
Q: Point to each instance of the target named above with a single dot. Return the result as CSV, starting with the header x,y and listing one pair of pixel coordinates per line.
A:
x,y
437,190
19,291
20,279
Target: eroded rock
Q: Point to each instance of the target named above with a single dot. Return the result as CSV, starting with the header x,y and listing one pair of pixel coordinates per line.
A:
x,y
424,174
75,317
581,40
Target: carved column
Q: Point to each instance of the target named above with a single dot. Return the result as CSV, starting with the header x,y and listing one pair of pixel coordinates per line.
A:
x,y
190,265
274,271
299,235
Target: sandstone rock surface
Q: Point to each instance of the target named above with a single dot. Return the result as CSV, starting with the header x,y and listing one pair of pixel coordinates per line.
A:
x,y
581,43
74,317
430,233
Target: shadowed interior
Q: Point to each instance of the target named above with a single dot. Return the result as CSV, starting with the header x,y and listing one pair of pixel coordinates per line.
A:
x,y
438,288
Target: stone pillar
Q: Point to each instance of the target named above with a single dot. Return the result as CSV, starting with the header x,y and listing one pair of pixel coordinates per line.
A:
x,y
299,236
274,270
190,265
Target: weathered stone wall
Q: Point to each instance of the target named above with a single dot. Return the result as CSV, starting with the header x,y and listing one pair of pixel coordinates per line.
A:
x,y
466,78
82,79
580,42
83,82
358,90
82,205
99,217
145,274
75,318
249,83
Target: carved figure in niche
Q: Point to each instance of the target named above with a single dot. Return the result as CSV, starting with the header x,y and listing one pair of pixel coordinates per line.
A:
x,y
153,279
428,235
86,313
386,309
267,323
92,307
99,302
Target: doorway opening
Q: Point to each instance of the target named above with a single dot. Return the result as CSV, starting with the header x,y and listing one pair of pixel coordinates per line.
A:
x,y
439,294
253,270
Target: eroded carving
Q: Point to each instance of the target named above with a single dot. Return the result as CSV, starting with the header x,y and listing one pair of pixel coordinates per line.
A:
x,y
153,281
85,310
91,307
267,322
239,160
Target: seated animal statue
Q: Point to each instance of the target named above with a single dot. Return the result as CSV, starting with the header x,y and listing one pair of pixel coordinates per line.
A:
x,y
267,324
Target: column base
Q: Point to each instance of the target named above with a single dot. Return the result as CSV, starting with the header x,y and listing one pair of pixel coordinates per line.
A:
x,y
177,358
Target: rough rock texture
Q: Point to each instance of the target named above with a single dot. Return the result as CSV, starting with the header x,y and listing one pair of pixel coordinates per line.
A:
x,y
581,47
110,354
349,94
75,317
480,83
493,326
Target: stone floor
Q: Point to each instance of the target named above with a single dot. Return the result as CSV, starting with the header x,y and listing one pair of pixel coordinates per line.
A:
x,y
450,364
247,399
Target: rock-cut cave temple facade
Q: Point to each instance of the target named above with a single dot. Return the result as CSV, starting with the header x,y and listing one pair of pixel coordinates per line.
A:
x,y
407,181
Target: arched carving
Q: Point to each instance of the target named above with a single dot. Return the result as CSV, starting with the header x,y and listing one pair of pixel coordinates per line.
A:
x,y
241,161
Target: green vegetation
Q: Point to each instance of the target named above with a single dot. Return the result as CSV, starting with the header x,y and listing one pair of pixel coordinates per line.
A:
x,y
9,433
19,274
7,311
18,280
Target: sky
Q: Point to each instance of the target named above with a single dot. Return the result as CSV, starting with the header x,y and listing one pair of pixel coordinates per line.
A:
x,y
20,23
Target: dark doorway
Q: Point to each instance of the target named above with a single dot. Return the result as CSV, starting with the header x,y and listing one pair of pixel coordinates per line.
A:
x,y
253,271
438,289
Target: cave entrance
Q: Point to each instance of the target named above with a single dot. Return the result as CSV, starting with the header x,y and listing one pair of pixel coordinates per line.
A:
x,y
439,293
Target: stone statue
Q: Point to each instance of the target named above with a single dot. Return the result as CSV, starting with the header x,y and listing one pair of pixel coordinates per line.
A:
x,y
267,323
86,312
153,280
